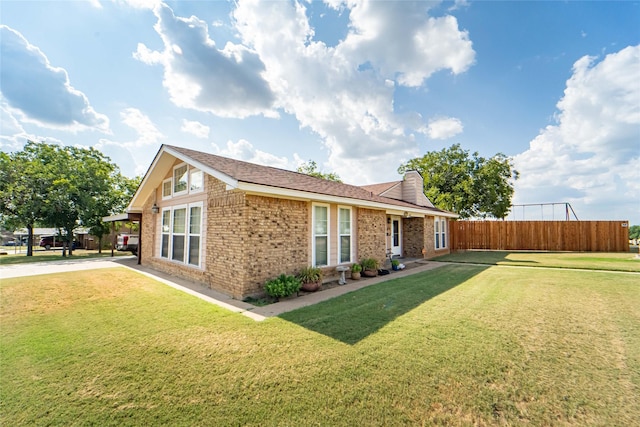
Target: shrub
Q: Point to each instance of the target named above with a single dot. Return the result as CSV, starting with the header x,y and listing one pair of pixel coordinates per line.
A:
x,y
310,275
369,264
356,268
282,286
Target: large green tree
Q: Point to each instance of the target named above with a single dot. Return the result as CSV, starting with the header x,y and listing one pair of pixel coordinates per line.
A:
x,y
468,184
25,179
62,187
311,168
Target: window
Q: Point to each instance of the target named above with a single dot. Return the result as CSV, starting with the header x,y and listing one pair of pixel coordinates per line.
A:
x,y
196,181
195,224
320,235
181,234
344,234
180,178
166,232
166,188
178,234
440,232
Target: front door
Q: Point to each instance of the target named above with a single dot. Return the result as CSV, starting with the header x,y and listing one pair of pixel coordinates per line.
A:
x,y
396,236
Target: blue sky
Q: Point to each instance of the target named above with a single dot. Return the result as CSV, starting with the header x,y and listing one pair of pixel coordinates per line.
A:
x,y
357,86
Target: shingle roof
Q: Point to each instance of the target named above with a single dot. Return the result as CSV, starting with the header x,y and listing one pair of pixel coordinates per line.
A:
x,y
380,188
280,178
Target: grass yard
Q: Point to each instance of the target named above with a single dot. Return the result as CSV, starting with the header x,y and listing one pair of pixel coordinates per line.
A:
x,y
459,345
583,260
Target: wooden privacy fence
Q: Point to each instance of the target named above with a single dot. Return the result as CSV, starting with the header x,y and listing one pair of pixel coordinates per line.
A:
x,y
578,236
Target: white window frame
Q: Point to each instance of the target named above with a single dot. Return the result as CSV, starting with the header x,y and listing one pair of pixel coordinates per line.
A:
x,y
173,187
187,233
190,234
314,235
440,233
183,234
340,235
167,196
163,233
190,183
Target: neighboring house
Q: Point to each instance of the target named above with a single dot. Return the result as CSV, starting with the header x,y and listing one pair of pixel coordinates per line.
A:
x,y
233,225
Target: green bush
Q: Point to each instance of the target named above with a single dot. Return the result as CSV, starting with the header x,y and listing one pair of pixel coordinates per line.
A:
x,y
282,286
310,275
369,264
356,268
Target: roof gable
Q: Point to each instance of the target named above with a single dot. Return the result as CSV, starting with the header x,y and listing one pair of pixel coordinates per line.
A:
x,y
236,173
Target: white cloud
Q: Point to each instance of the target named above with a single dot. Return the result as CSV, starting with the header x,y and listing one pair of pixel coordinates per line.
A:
x,y
590,157
244,150
195,128
227,82
345,93
405,43
147,135
40,93
444,128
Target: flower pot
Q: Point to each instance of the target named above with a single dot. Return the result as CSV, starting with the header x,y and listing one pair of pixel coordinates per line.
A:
x,y
370,273
311,287
355,275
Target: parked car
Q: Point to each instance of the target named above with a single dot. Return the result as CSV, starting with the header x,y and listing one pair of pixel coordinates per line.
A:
x,y
49,242
127,242
10,243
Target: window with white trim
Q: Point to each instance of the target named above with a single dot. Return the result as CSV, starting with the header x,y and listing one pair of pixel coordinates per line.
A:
x,y
178,229
320,235
166,233
180,179
195,225
344,235
440,232
166,188
196,180
181,234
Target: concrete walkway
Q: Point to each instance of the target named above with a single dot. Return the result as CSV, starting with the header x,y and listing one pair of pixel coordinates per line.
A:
x,y
204,293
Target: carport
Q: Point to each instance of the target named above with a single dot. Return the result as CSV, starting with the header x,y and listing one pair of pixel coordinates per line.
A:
x,y
125,217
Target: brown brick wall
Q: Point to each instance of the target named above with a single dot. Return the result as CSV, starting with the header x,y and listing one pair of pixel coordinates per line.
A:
x,y
276,239
371,234
413,237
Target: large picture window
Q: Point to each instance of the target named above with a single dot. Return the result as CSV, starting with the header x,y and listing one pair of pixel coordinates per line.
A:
x,y
440,232
320,235
344,234
181,234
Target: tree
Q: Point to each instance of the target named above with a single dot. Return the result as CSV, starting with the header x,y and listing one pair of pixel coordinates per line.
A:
x,y
311,168
112,202
634,232
62,187
471,186
24,182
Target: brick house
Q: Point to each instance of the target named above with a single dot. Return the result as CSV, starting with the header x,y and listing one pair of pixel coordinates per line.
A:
x,y
232,225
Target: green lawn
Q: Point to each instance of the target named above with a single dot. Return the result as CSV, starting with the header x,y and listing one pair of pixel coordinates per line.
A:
x,y
583,260
40,255
459,345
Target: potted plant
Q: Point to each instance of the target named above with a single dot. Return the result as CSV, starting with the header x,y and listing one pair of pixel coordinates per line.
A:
x,y
395,264
355,271
369,267
311,279
282,286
